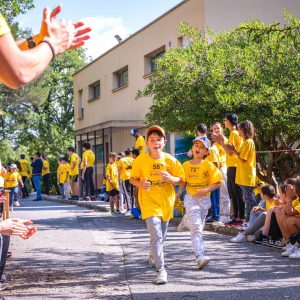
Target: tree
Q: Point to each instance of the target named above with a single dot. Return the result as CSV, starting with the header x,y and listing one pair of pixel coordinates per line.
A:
x,y
252,70
12,8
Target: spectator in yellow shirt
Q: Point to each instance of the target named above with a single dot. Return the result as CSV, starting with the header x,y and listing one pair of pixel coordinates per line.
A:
x,y
112,184
140,141
234,190
24,164
64,177
46,173
87,164
246,166
74,172
124,169
155,174
11,181
224,196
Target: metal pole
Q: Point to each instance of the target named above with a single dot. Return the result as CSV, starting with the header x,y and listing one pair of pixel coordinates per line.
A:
x,y
110,139
95,147
103,152
80,154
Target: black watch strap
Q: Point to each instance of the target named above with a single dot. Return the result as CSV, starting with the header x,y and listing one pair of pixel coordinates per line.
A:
x,y
31,43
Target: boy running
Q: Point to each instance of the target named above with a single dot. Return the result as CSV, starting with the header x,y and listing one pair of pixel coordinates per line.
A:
x,y
154,174
202,177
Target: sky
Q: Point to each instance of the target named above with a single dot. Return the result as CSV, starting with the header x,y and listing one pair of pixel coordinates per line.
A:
x,y
106,18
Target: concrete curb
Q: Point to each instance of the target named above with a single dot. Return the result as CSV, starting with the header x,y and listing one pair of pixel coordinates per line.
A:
x,y
217,228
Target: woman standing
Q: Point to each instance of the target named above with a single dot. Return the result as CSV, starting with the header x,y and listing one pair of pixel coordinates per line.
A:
x,y
234,190
46,173
246,167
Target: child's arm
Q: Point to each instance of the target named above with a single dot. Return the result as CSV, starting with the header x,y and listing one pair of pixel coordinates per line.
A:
x,y
208,189
142,184
289,209
180,190
167,177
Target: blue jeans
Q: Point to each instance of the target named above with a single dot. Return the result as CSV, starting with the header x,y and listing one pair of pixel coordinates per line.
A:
x,y
37,183
249,199
215,204
13,195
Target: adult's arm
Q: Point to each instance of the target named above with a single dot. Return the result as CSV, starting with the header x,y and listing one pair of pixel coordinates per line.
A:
x,y
19,67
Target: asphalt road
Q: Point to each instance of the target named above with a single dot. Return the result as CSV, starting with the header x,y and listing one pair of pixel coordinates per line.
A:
x,y
83,254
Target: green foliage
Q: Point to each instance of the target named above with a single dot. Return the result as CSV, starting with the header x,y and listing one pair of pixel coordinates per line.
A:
x,y
12,8
252,70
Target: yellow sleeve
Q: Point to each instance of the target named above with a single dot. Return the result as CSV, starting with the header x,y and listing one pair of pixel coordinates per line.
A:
x,y
177,170
214,174
214,156
136,171
3,26
19,178
108,172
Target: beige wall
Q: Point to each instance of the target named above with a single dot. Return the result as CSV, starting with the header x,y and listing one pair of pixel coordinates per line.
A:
x,y
121,105
221,15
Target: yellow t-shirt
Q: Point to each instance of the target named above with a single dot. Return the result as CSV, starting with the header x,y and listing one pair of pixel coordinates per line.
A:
x,y
90,156
246,171
63,173
214,155
3,26
112,173
296,205
24,167
46,166
140,142
222,152
11,179
200,176
159,200
74,158
236,140
125,164
258,185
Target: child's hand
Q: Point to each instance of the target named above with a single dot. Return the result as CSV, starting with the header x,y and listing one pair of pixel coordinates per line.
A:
x,y
231,147
178,196
256,208
290,192
145,185
165,176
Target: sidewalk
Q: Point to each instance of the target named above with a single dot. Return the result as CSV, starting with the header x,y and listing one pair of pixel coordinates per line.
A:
x,y
103,206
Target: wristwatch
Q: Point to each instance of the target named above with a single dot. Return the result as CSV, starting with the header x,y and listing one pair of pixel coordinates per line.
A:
x,y
30,42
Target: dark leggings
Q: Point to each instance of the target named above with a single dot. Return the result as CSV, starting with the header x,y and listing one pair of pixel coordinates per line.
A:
x,y
235,193
4,244
89,182
46,182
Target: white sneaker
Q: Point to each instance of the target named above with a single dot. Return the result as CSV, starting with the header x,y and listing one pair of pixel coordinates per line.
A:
x,y
181,226
161,277
296,254
202,262
16,204
2,286
3,278
289,249
240,238
225,219
151,261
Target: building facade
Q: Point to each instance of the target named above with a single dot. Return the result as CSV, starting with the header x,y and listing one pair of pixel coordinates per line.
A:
x,y
105,105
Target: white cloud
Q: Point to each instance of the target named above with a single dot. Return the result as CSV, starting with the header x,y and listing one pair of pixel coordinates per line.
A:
x,y
102,34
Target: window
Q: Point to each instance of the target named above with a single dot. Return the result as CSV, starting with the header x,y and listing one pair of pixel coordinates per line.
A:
x,y
151,59
80,105
94,90
120,78
183,42
98,152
